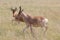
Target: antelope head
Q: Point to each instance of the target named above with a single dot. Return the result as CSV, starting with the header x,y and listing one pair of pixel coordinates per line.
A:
x,y
14,11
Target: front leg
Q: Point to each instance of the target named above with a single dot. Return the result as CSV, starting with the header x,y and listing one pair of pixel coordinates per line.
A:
x,y
32,32
25,28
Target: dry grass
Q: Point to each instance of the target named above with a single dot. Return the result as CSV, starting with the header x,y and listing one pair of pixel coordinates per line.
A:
x,y
46,8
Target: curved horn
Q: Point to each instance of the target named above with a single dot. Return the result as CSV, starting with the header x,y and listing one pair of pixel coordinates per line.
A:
x,y
20,8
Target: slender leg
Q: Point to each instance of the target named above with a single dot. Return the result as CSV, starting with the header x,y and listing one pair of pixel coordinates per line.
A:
x,y
44,26
31,29
24,31
44,32
45,29
32,32
25,28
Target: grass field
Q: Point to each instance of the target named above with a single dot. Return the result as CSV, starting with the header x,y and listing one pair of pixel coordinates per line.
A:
x,y
47,8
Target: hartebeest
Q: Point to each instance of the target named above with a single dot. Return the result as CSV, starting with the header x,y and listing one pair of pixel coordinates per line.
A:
x,y
35,21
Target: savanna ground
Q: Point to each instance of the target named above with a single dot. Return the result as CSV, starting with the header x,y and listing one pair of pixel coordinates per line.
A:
x,y
47,8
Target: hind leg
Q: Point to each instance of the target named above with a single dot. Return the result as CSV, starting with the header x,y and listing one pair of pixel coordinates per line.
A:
x,y
45,29
32,33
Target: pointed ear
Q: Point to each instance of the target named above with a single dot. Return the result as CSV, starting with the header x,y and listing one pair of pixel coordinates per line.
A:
x,y
11,9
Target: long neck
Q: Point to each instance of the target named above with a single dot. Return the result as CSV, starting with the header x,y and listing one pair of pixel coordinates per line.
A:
x,y
24,16
19,12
